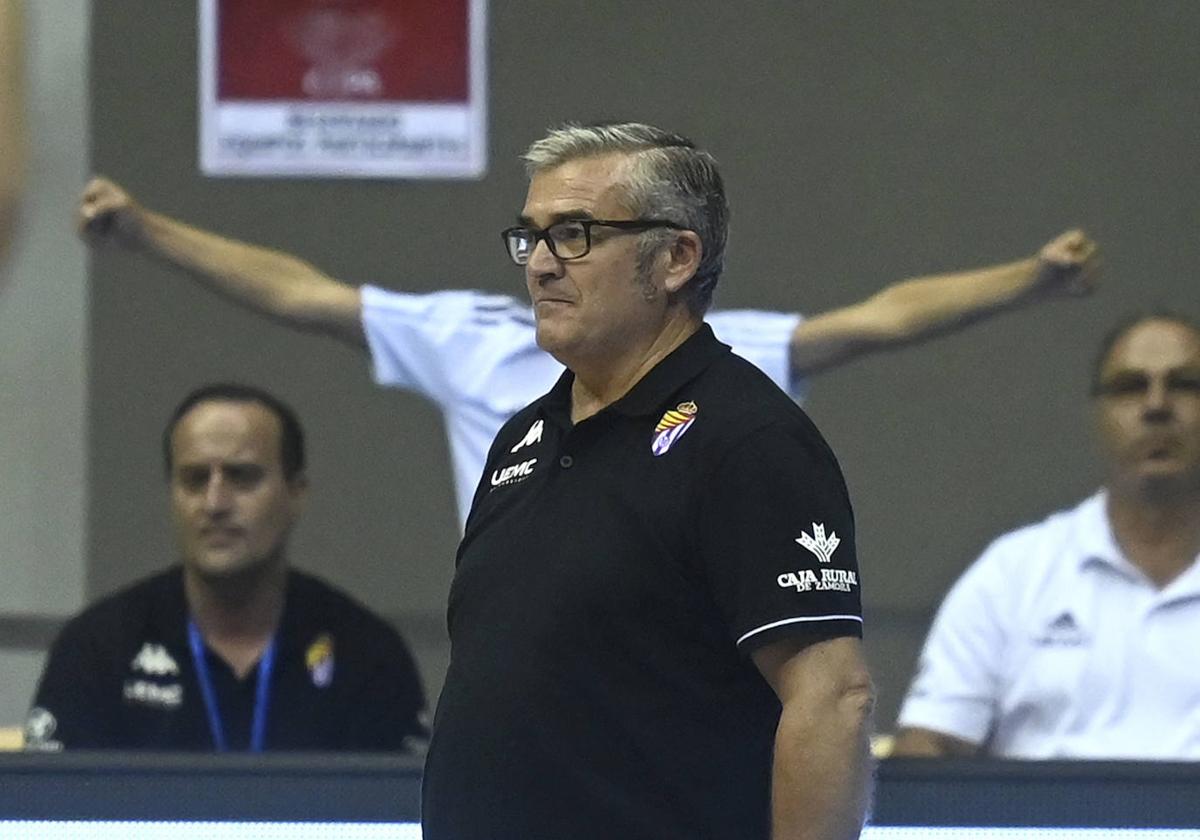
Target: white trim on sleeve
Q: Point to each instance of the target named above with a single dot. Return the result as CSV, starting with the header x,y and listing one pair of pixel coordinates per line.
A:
x,y
797,620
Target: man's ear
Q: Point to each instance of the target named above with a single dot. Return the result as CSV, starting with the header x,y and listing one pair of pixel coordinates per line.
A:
x,y
298,491
682,260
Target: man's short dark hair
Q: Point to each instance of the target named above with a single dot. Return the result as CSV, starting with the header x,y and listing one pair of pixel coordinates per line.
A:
x,y
1125,326
291,435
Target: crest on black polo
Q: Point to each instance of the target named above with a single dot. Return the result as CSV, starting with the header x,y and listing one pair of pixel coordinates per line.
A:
x,y
673,425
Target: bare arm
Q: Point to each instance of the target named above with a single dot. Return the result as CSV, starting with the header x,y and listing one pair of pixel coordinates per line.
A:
x,y
914,310
821,778
13,142
913,742
271,283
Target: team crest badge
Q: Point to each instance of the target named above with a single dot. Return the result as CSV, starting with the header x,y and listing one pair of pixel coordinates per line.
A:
x,y
319,660
672,427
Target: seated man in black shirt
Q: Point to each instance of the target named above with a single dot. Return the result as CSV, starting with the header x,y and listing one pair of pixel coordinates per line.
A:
x,y
233,650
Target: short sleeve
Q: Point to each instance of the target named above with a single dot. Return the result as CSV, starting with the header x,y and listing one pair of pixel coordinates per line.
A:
x,y
391,704
776,536
765,340
433,344
957,685
68,710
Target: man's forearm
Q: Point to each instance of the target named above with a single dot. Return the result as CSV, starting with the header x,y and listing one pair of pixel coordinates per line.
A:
x,y
264,280
915,309
909,312
925,306
821,781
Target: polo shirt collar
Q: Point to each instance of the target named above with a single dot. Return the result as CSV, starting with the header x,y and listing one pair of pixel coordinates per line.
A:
x,y
1094,536
171,614
169,610
680,366
1098,546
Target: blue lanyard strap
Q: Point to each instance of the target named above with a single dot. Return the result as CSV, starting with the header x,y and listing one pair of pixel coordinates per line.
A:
x,y
262,692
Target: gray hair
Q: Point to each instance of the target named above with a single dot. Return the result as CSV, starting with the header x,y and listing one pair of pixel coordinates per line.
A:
x,y
670,179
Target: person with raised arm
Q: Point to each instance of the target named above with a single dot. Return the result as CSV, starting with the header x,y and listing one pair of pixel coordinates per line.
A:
x,y
475,355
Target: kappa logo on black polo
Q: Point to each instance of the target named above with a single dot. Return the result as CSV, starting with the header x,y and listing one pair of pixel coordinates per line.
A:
x,y
154,660
534,435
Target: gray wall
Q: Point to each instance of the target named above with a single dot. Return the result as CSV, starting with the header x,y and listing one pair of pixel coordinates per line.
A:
x,y
43,321
862,143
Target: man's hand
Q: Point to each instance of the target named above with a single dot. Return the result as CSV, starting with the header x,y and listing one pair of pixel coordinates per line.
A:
x,y
108,214
1068,265
274,284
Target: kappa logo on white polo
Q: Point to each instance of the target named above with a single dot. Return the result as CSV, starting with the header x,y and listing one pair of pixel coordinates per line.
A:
x,y
819,544
534,435
830,580
513,474
1063,631
154,660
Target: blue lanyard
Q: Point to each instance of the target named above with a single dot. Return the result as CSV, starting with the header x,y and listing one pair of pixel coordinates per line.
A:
x,y
262,693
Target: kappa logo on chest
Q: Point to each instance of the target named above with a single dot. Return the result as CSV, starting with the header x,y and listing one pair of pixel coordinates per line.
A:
x,y
159,686
153,659
518,472
534,435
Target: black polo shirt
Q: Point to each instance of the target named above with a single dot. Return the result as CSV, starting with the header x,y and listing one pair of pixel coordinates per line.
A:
x,y
612,580
121,676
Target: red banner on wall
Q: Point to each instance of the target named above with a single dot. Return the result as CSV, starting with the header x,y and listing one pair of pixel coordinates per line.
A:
x,y
343,88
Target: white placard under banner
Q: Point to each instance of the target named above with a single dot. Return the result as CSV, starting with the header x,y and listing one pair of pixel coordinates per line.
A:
x,y
343,88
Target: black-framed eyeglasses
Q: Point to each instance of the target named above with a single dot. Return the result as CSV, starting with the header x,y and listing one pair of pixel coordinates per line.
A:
x,y
570,239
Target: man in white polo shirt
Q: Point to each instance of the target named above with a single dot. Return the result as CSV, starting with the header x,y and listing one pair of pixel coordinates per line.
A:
x,y
1079,637
474,354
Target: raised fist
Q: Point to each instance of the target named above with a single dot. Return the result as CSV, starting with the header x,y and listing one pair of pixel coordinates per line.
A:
x,y
107,213
1068,264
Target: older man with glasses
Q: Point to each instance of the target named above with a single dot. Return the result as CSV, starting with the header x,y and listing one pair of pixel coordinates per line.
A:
x,y
646,639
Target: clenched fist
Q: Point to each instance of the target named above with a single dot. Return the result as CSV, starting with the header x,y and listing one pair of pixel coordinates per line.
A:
x,y
107,213
1068,265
